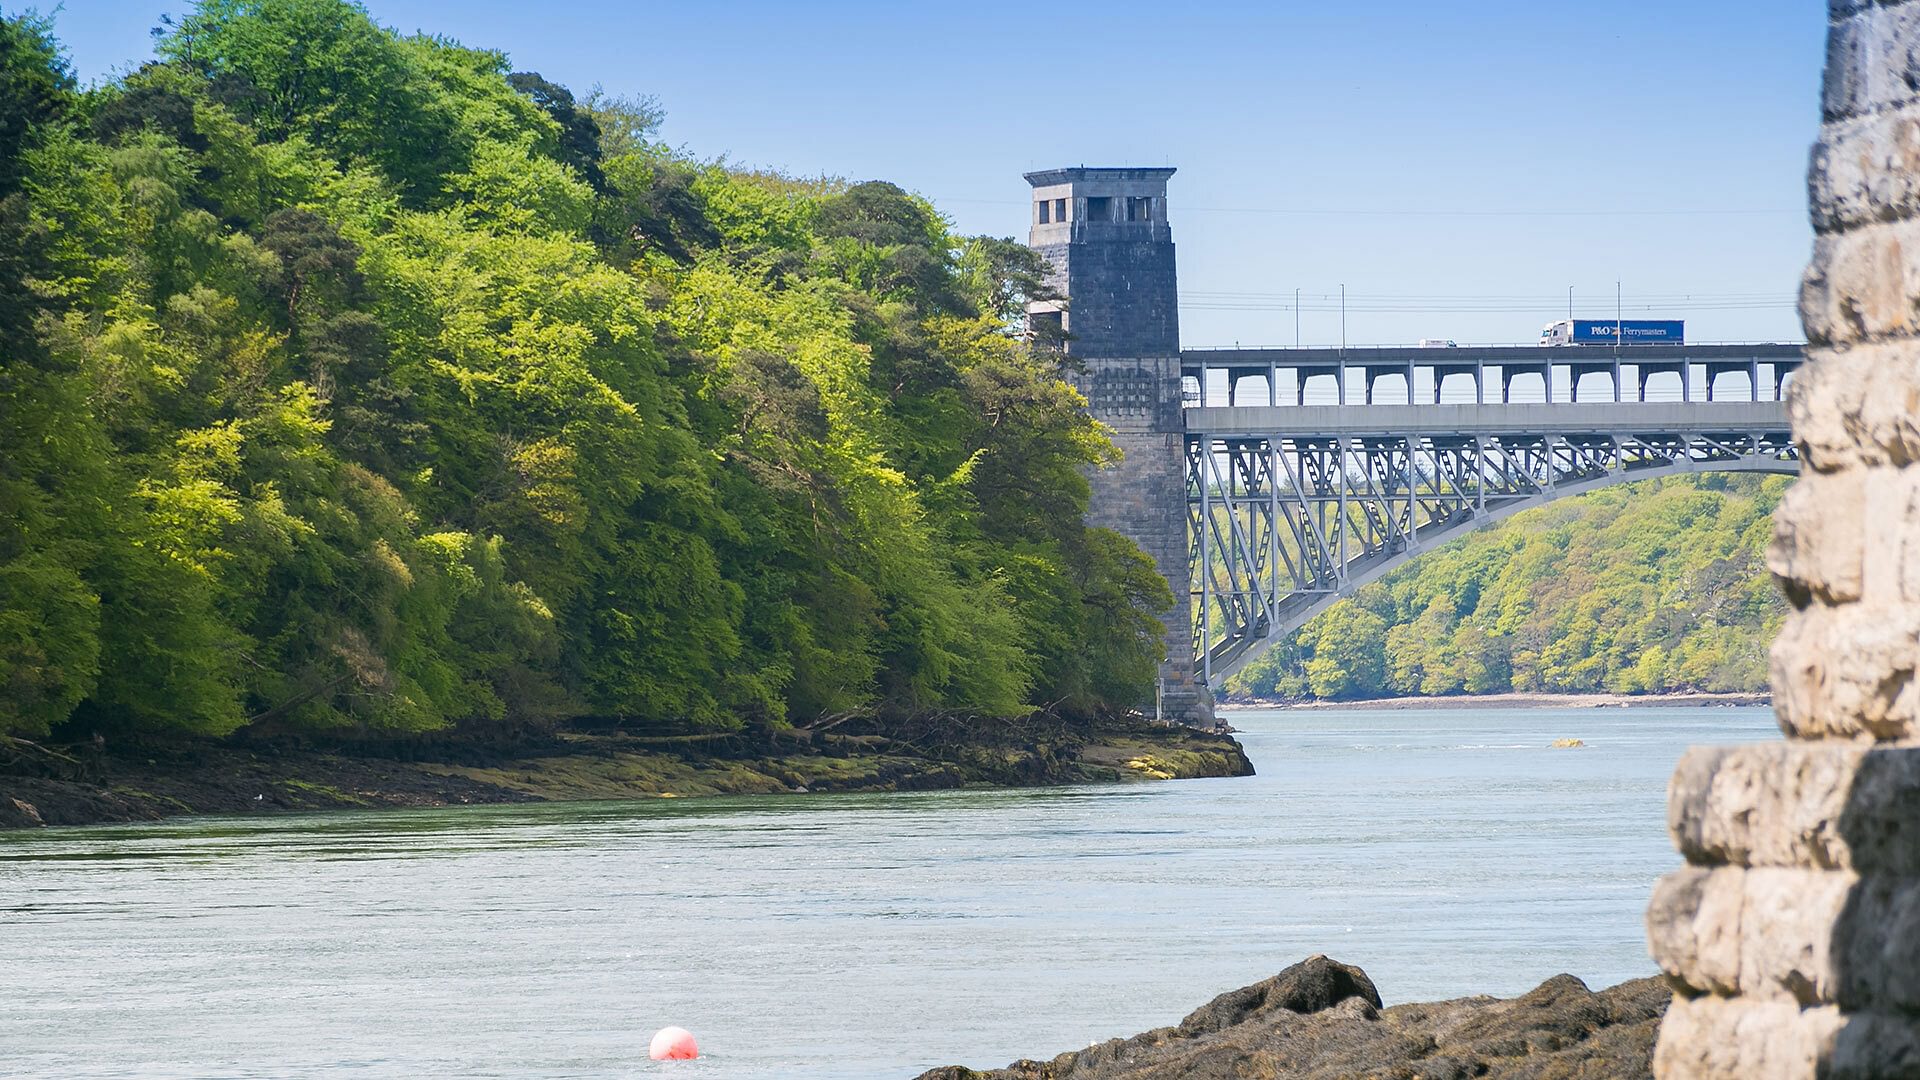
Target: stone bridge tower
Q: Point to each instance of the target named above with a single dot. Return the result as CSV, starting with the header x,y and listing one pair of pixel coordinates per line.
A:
x,y
1105,233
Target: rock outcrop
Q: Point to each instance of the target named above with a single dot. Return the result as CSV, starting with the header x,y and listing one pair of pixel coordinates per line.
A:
x,y
1792,936
1322,1020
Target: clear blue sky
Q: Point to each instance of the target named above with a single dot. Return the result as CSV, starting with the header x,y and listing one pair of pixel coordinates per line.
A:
x,y
1472,160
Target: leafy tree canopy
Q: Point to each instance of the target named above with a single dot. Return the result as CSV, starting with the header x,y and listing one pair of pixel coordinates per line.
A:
x,y
357,384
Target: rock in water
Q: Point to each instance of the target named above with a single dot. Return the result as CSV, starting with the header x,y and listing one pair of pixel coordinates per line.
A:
x,y
1322,1020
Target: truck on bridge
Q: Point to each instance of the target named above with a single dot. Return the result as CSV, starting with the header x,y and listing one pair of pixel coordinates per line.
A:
x,y
1610,331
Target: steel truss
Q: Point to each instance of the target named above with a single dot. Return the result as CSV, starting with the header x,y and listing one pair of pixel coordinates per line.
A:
x,y
1280,527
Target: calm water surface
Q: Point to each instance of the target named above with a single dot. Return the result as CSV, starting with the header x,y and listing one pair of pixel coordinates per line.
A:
x,y
1447,852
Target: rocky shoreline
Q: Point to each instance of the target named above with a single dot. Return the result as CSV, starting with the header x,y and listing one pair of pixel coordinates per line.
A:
x,y
90,785
1323,1020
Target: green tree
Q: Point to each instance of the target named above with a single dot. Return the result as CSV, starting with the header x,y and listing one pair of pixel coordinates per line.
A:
x,y
1347,659
355,385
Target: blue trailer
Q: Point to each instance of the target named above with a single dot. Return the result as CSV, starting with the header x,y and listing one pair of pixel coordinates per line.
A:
x,y
1602,332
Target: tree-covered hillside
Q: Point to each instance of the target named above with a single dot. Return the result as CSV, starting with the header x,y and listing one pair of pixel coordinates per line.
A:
x,y
355,382
1658,586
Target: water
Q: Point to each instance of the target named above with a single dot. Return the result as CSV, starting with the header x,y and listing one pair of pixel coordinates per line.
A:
x,y
1446,852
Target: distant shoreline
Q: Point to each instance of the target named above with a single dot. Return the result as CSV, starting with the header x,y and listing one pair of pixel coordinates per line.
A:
x,y
1508,701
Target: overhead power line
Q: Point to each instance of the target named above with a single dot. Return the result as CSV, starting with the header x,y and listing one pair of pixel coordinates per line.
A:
x,y
1556,297
1366,308
1499,307
1492,303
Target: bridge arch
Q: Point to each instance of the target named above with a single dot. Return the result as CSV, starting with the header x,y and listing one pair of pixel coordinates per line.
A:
x,y
1302,608
1283,526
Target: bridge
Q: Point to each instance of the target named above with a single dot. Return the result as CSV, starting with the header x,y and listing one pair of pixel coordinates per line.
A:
x,y
1292,506
1269,483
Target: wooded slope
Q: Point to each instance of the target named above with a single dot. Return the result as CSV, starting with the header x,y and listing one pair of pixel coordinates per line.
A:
x,y
353,382
1650,587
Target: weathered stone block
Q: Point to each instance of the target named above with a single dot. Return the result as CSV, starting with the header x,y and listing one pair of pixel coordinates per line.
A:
x,y
1827,805
1873,60
1693,928
1866,285
1875,947
1763,934
1857,406
1873,1046
1818,543
1847,672
1840,9
1719,1039
1868,169
1890,535
1810,937
1786,926
1723,809
1712,1038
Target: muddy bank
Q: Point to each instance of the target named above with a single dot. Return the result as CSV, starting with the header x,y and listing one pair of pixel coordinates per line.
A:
x,y
1507,701
1322,1020
87,784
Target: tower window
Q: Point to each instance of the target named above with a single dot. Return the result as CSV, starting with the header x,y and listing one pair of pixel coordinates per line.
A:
x,y
1045,206
1059,209
1046,327
1139,209
1099,208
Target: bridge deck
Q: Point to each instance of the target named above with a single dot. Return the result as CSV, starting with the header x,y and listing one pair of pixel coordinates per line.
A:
x,y
1255,361
1292,506
1496,372
1560,418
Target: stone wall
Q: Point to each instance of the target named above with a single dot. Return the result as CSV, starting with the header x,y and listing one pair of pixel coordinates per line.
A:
x,y
1123,287
1792,936
1144,498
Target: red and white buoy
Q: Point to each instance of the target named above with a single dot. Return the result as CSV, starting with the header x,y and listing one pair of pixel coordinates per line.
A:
x,y
673,1044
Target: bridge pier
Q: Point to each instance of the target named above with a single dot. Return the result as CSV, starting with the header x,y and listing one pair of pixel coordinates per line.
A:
x,y
1105,235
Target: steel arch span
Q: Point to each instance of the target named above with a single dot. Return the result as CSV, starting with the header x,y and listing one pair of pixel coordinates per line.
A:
x,y
1291,509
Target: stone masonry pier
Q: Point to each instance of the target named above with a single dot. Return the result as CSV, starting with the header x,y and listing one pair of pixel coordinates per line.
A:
x,y
1792,936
